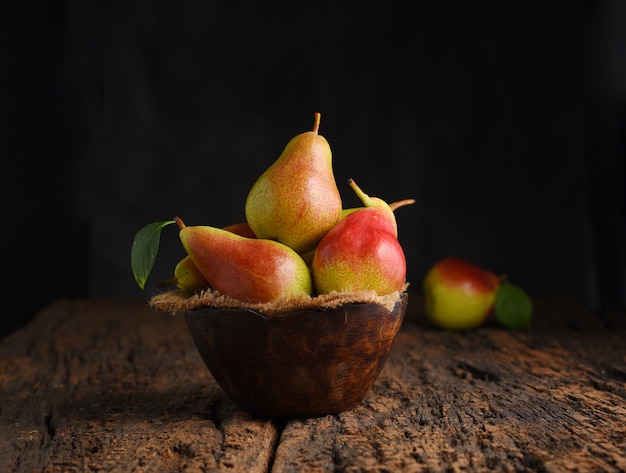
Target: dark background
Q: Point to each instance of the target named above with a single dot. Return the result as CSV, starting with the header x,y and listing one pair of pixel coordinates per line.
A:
x,y
506,126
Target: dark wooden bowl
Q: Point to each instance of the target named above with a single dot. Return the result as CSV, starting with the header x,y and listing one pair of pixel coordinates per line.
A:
x,y
306,363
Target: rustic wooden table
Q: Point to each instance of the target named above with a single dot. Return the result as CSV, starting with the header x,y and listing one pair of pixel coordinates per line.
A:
x,y
112,386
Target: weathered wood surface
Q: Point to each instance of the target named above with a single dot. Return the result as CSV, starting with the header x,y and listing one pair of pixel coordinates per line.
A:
x,y
111,386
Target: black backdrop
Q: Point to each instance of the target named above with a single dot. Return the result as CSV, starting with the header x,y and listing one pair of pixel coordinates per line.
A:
x,y
504,125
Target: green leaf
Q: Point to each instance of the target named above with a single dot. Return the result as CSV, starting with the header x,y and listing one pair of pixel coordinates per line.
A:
x,y
144,250
513,308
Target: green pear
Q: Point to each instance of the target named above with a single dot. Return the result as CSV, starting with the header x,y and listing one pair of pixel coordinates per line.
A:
x,y
386,209
296,200
358,253
187,277
248,269
459,295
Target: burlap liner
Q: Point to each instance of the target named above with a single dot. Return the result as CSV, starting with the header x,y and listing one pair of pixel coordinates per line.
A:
x,y
176,302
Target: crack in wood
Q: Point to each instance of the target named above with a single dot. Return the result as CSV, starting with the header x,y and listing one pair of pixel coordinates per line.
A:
x,y
468,371
492,400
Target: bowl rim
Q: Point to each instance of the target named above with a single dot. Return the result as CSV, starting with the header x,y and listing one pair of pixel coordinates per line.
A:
x,y
179,302
403,296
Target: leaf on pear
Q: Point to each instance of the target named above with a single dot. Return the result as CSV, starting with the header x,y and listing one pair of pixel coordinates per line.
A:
x,y
513,307
144,250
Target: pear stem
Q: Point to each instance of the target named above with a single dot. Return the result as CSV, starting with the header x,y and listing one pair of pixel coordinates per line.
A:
x,y
316,123
180,222
401,203
367,201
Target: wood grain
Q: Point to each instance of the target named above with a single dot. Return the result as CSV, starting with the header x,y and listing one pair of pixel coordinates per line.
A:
x,y
111,386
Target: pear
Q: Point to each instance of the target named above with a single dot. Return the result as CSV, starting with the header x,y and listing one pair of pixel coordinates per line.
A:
x,y
187,277
248,269
359,253
296,200
368,202
242,229
393,206
387,210
458,294
308,257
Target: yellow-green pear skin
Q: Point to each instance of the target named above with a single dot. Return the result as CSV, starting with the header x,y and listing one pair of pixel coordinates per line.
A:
x,y
188,277
247,269
459,295
296,200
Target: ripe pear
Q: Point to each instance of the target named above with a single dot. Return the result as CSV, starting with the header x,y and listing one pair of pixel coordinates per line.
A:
x,y
368,202
242,229
308,256
187,276
296,200
248,269
459,295
358,253
378,203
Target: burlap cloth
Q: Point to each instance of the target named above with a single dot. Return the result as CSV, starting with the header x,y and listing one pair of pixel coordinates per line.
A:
x,y
177,301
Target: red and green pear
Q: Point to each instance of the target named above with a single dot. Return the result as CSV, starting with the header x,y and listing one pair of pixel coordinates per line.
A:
x,y
188,277
359,253
247,269
242,229
393,206
378,203
308,257
296,201
458,294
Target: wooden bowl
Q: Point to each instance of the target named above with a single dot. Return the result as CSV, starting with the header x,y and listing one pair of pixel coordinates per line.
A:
x,y
306,363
